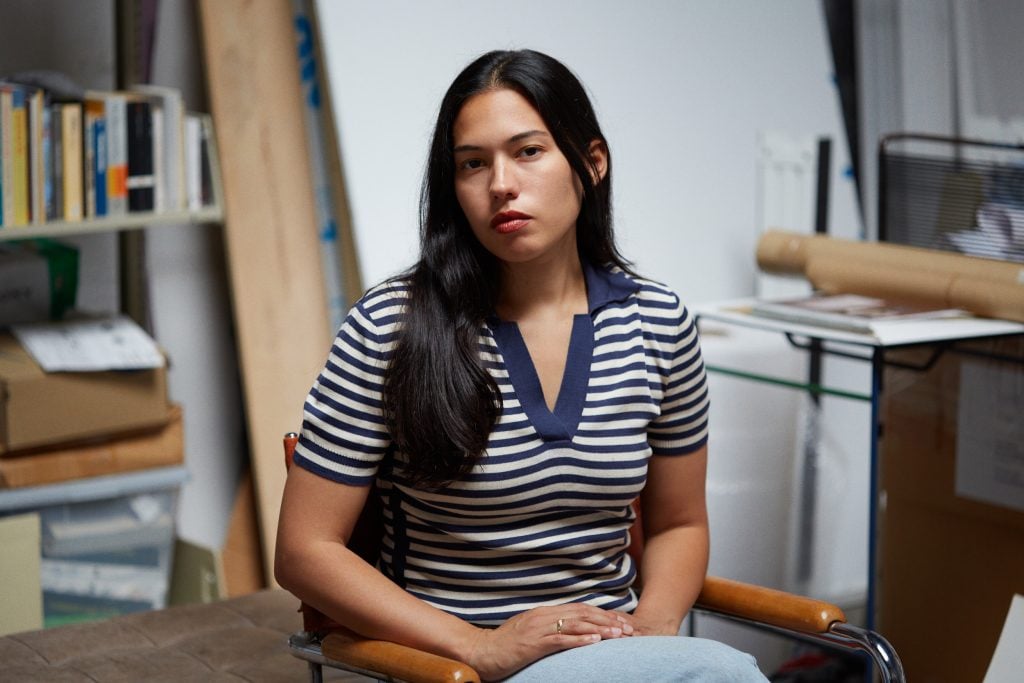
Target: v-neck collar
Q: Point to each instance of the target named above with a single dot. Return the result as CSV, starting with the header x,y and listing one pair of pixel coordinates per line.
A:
x,y
604,286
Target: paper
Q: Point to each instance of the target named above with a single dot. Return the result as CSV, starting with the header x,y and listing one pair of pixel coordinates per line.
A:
x,y
116,343
1008,659
883,332
990,434
850,312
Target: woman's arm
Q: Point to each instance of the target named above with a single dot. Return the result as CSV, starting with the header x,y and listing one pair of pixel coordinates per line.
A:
x,y
675,557
311,561
317,517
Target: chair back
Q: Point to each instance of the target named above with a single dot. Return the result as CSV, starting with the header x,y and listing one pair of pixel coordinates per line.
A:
x,y
365,542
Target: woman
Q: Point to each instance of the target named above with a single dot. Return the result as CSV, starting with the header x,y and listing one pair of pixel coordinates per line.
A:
x,y
511,395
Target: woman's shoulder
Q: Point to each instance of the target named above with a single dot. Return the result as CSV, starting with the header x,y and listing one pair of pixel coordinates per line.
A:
x,y
384,301
651,293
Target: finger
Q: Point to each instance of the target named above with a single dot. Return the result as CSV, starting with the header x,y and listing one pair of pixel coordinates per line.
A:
x,y
603,627
608,618
628,622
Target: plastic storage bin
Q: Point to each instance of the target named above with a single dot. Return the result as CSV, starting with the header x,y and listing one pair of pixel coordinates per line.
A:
x,y
107,542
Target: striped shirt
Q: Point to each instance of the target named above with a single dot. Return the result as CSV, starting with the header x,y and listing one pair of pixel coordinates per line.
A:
x,y
544,517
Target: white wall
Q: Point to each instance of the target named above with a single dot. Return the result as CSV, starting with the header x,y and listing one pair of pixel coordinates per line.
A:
x,y
682,90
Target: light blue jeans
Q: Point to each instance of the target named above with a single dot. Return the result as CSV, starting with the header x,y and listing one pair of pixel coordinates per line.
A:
x,y
651,659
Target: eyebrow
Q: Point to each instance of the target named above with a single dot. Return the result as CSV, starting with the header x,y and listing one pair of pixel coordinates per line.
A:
x,y
515,138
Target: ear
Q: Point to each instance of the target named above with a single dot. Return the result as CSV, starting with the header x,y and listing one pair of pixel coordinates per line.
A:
x,y
597,153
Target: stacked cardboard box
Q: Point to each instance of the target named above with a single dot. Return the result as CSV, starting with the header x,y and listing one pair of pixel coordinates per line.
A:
x,y
161,446
952,529
96,457
40,409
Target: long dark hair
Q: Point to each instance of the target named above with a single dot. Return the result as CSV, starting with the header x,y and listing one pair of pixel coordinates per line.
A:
x,y
440,403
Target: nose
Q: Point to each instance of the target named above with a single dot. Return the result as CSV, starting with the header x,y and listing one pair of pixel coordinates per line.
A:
x,y
504,180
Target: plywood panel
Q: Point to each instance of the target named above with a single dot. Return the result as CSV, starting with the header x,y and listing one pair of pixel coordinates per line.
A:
x,y
270,231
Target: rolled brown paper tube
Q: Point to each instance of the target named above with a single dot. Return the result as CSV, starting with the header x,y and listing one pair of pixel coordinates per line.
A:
x,y
780,251
839,275
987,298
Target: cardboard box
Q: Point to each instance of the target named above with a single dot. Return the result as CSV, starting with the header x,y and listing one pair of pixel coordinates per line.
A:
x,y
38,280
159,447
40,409
20,592
949,563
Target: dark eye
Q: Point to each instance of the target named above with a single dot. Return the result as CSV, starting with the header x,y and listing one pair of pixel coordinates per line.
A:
x,y
529,152
470,164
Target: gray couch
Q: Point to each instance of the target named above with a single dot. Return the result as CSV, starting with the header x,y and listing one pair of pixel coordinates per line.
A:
x,y
241,639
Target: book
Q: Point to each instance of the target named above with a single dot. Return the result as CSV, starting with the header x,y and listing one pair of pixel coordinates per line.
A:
x,y
206,175
72,160
113,190
847,312
141,181
95,150
19,157
55,209
88,156
169,147
35,102
117,154
6,150
46,206
193,162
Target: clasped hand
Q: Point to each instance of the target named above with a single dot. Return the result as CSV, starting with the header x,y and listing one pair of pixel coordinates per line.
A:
x,y
541,631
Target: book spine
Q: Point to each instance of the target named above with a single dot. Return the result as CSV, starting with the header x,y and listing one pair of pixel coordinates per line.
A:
x,y
206,172
6,164
88,161
169,145
193,162
19,157
46,161
95,155
117,156
141,182
100,165
37,211
159,172
71,132
56,209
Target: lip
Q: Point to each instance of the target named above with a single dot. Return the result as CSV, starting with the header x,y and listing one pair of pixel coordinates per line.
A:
x,y
509,221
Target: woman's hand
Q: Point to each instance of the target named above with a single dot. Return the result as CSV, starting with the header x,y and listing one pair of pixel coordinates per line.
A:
x,y
541,631
652,626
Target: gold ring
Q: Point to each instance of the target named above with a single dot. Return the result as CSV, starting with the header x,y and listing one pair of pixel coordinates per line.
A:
x,y
558,625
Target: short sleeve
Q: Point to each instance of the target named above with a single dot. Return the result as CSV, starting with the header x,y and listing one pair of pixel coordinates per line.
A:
x,y
682,424
344,436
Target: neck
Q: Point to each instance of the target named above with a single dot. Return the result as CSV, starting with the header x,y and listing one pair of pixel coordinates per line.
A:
x,y
530,287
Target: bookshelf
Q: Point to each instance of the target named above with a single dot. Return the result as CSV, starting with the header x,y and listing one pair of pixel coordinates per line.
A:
x,y
132,221
135,220
172,281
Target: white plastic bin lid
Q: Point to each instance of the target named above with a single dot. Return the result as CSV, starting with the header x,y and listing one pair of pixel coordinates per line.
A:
x,y
95,488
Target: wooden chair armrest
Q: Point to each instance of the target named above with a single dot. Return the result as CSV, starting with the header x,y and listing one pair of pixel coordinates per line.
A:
x,y
768,606
399,661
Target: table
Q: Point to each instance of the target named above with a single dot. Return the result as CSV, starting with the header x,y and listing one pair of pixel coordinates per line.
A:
x,y
939,335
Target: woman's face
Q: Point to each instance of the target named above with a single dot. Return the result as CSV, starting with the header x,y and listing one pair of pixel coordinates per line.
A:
x,y
514,185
